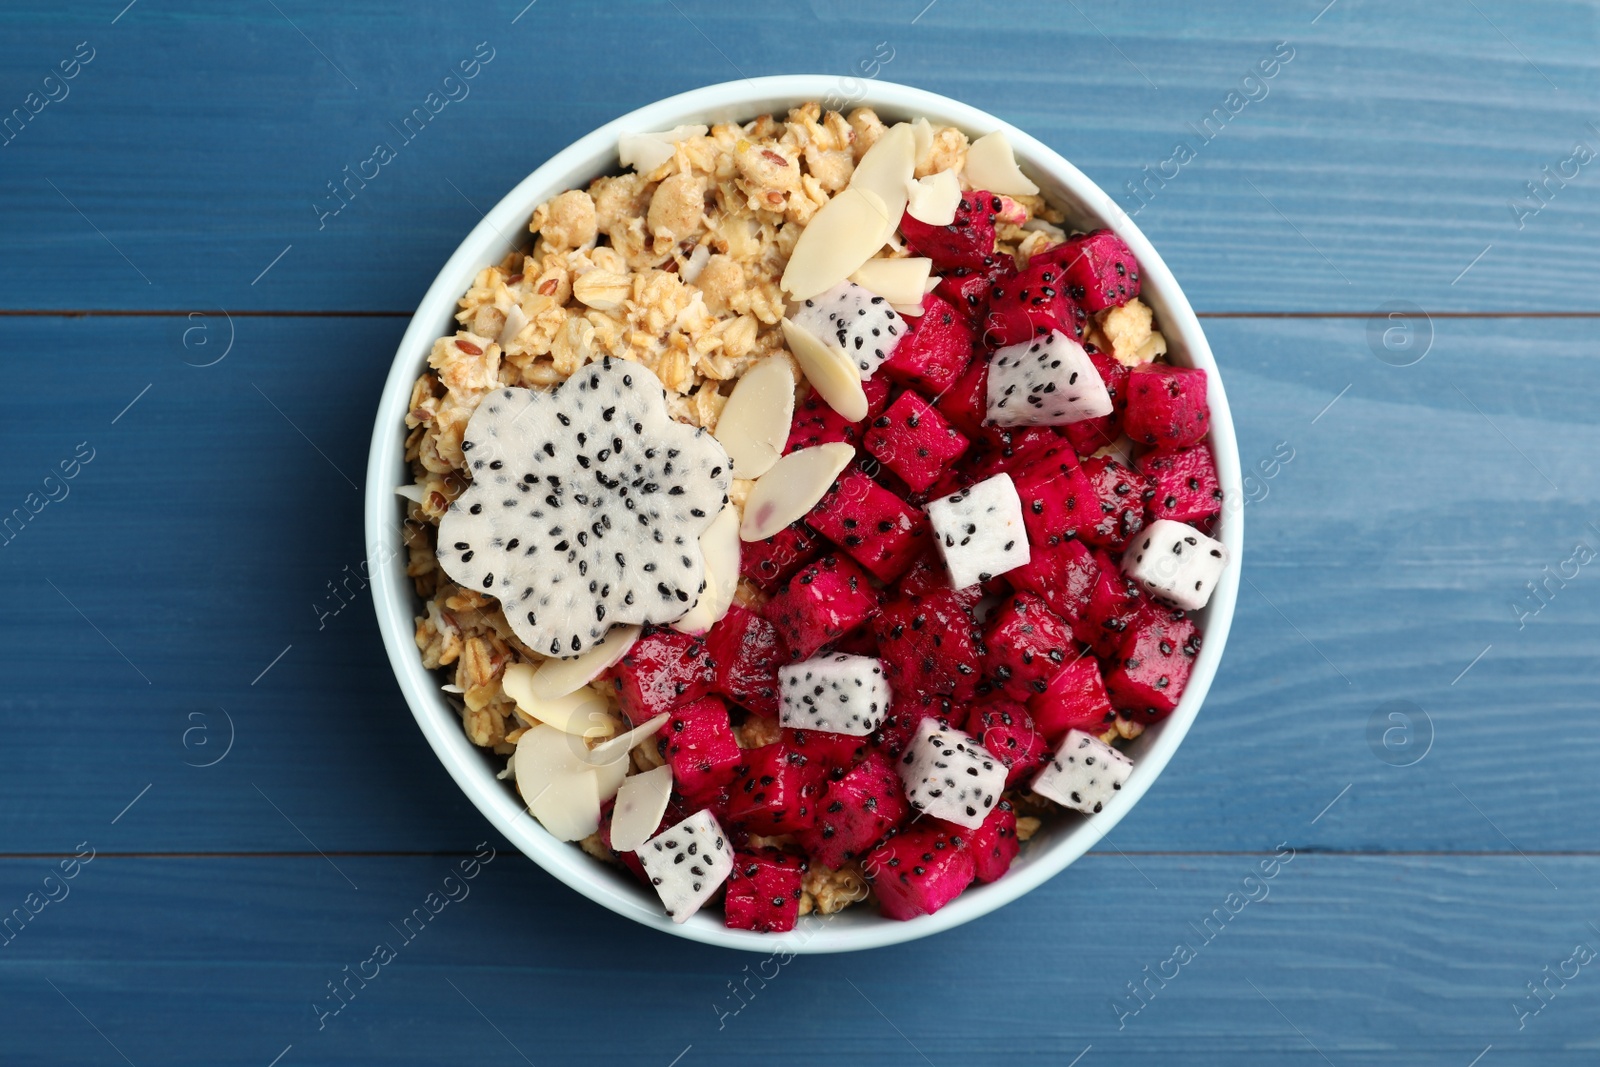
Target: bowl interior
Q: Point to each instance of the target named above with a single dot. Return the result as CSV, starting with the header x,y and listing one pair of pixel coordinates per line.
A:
x,y
1061,840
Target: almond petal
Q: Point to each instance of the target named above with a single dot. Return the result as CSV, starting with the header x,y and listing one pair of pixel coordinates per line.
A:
x,y
886,168
831,373
838,239
616,749
922,133
644,152
558,677
934,199
792,487
754,423
641,804
560,789
581,712
899,281
991,165
720,547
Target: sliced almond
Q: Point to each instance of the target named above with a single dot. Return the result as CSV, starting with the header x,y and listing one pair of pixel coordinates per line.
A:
x,y
516,320
885,170
617,748
644,152
792,487
641,804
934,199
908,310
582,712
557,677
720,547
899,281
839,238
754,424
991,165
831,373
559,788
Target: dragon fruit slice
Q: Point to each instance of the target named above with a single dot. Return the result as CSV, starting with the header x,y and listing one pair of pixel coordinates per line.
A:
x,y
1167,406
1084,774
1185,483
764,891
980,531
1046,382
775,792
688,863
1153,665
1100,269
919,871
855,813
950,776
1176,562
854,320
841,694
586,507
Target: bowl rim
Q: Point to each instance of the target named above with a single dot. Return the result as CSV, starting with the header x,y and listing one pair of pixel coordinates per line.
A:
x,y
395,602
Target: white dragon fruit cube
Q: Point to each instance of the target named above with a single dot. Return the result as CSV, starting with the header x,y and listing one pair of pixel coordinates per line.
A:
x,y
980,531
1174,561
840,693
687,863
1048,381
949,775
854,320
1084,774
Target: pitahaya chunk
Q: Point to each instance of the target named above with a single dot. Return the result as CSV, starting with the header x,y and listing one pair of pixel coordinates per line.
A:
x,y
1166,406
1084,774
745,653
688,863
586,507
815,423
1030,305
1005,728
1057,497
968,288
1074,699
836,754
980,530
1049,381
775,791
927,647
663,670
919,871
966,403
1123,495
1115,602
965,242
935,350
1153,664
854,320
879,530
950,776
855,813
1025,645
1063,575
912,439
1090,435
697,740
837,693
767,563
764,891
1099,269
994,844
1176,562
1185,484
821,603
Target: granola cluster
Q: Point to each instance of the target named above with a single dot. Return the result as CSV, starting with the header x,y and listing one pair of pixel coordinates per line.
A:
x,y
676,269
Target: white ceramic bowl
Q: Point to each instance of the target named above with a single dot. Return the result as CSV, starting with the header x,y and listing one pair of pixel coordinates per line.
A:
x,y
1062,840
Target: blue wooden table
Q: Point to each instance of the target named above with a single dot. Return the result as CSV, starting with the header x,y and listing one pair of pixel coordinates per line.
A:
x,y
215,803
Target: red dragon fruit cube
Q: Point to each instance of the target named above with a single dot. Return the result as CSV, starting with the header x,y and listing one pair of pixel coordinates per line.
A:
x,y
698,742
1185,484
763,892
1063,575
835,754
1033,303
968,288
1100,270
935,350
1091,435
879,530
920,871
1123,495
1114,603
746,652
994,844
1075,699
855,813
966,403
663,670
816,423
912,439
1167,406
1025,644
768,563
927,647
1057,497
1153,665
775,791
1005,728
966,242
821,602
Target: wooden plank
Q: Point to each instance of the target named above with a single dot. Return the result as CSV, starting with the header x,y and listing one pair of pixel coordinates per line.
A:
x,y
215,512
1383,960
1380,163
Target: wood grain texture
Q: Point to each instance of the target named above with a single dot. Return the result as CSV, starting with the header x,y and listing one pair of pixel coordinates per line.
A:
x,y
202,539
1375,960
1376,165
